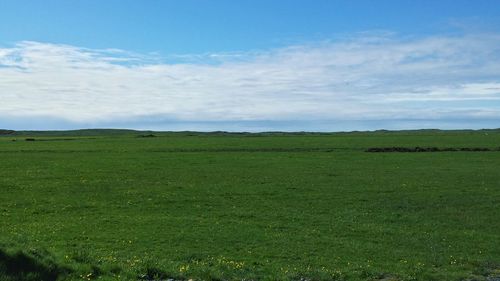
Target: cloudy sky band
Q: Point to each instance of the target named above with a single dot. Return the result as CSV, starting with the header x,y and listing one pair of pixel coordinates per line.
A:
x,y
369,76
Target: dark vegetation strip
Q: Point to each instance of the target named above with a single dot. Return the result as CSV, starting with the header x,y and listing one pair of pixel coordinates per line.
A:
x,y
58,151
431,149
180,150
267,150
236,149
57,139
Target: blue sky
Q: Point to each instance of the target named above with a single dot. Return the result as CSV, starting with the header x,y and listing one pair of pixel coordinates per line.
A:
x,y
249,65
199,26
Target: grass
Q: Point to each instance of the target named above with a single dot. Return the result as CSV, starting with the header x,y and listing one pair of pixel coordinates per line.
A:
x,y
249,207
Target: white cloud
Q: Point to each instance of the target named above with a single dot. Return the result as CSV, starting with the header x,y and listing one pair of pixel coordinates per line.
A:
x,y
367,77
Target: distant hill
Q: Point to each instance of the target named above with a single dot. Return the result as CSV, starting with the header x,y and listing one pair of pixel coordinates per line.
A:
x,y
77,133
6,132
122,132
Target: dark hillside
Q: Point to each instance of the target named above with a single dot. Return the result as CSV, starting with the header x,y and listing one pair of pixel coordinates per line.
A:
x,y
6,132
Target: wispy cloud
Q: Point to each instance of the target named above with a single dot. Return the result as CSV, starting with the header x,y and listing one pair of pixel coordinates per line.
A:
x,y
371,76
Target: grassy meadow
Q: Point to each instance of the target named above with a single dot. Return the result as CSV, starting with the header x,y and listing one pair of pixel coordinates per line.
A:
x,y
98,205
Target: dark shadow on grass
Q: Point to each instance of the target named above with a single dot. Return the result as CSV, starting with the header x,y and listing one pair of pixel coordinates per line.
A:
x,y
431,149
21,266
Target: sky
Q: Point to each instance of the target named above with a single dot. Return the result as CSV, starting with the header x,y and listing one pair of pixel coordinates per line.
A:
x,y
249,65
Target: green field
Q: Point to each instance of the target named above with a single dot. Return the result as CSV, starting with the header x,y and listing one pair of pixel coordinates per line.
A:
x,y
96,205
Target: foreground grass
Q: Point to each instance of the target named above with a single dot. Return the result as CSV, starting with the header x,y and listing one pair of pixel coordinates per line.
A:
x,y
255,208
